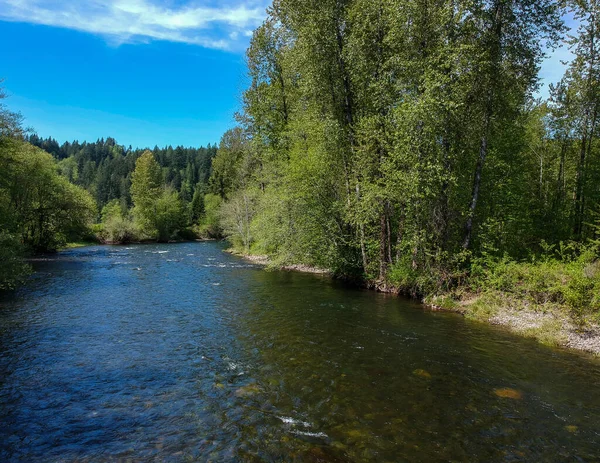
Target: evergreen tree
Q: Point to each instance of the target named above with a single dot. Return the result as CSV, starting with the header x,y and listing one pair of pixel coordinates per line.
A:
x,y
146,189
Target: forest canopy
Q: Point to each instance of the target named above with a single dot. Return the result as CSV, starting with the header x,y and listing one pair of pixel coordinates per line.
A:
x,y
399,142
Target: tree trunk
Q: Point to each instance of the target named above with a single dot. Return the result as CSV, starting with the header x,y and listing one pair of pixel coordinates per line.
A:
x,y
400,236
389,232
586,142
483,151
382,247
579,187
363,249
495,57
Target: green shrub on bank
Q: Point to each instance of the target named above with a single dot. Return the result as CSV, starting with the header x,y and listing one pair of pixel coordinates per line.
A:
x,y
209,226
40,211
567,277
117,226
408,280
439,277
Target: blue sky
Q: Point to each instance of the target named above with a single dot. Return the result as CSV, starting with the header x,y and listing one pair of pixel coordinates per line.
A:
x,y
142,71
145,72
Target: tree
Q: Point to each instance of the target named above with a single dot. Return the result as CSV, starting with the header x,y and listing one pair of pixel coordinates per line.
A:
x,y
511,42
577,98
235,219
226,165
196,209
392,136
146,189
117,226
209,223
169,216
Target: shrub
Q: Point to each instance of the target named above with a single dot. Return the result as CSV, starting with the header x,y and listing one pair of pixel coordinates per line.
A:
x,y
568,279
209,226
116,226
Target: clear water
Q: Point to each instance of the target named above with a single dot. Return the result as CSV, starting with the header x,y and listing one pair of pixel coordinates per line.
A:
x,y
184,353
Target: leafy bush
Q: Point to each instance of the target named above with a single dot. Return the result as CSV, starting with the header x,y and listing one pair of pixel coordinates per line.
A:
x,y
116,226
561,278
209,226
411,281
168,215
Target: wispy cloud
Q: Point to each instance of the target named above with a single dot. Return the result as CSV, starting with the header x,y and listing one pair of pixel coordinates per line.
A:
x,y
220,25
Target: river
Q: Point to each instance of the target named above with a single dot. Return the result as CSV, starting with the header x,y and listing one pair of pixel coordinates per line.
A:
x,y
182,352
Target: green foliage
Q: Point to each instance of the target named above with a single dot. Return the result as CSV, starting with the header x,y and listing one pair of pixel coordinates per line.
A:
x,y
116,225
40,210
389,140
196,207
104,167
226,165
12,268
595,228
47,209
572,282
169,215
409,281
146,188
209,226
108,171
235,217
158,210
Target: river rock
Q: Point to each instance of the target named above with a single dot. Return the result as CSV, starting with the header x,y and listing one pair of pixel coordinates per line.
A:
x,y
422,373
247,391
508,393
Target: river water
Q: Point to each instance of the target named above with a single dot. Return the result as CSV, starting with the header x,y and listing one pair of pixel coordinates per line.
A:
x,y
184,353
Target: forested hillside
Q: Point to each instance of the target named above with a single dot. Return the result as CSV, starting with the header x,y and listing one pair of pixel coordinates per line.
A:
x,y
170,204
104,168
401,142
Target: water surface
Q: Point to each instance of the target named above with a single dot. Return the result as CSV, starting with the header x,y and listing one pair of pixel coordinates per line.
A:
x,y
184,353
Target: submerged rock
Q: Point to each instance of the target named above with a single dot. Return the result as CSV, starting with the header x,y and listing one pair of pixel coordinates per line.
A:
x,y
422,373
247,391
322,455
508,393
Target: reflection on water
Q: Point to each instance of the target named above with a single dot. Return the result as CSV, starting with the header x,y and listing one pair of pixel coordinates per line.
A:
x,y
184,353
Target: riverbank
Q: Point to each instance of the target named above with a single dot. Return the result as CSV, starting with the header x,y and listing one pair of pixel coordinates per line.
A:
x,y
550,301
550,323
267,262
554,299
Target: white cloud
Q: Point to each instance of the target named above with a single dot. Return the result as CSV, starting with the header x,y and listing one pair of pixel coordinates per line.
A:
x,y
222,25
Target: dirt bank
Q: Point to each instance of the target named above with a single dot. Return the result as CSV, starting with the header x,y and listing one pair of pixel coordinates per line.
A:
x,y
548,323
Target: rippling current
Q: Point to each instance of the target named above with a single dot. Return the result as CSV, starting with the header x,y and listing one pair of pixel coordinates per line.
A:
x,y
184,353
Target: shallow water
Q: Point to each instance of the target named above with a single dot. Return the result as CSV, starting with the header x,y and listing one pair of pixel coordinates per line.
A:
x,y
184,353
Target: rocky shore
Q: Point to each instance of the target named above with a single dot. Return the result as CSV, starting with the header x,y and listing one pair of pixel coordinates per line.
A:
x,y
547,323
